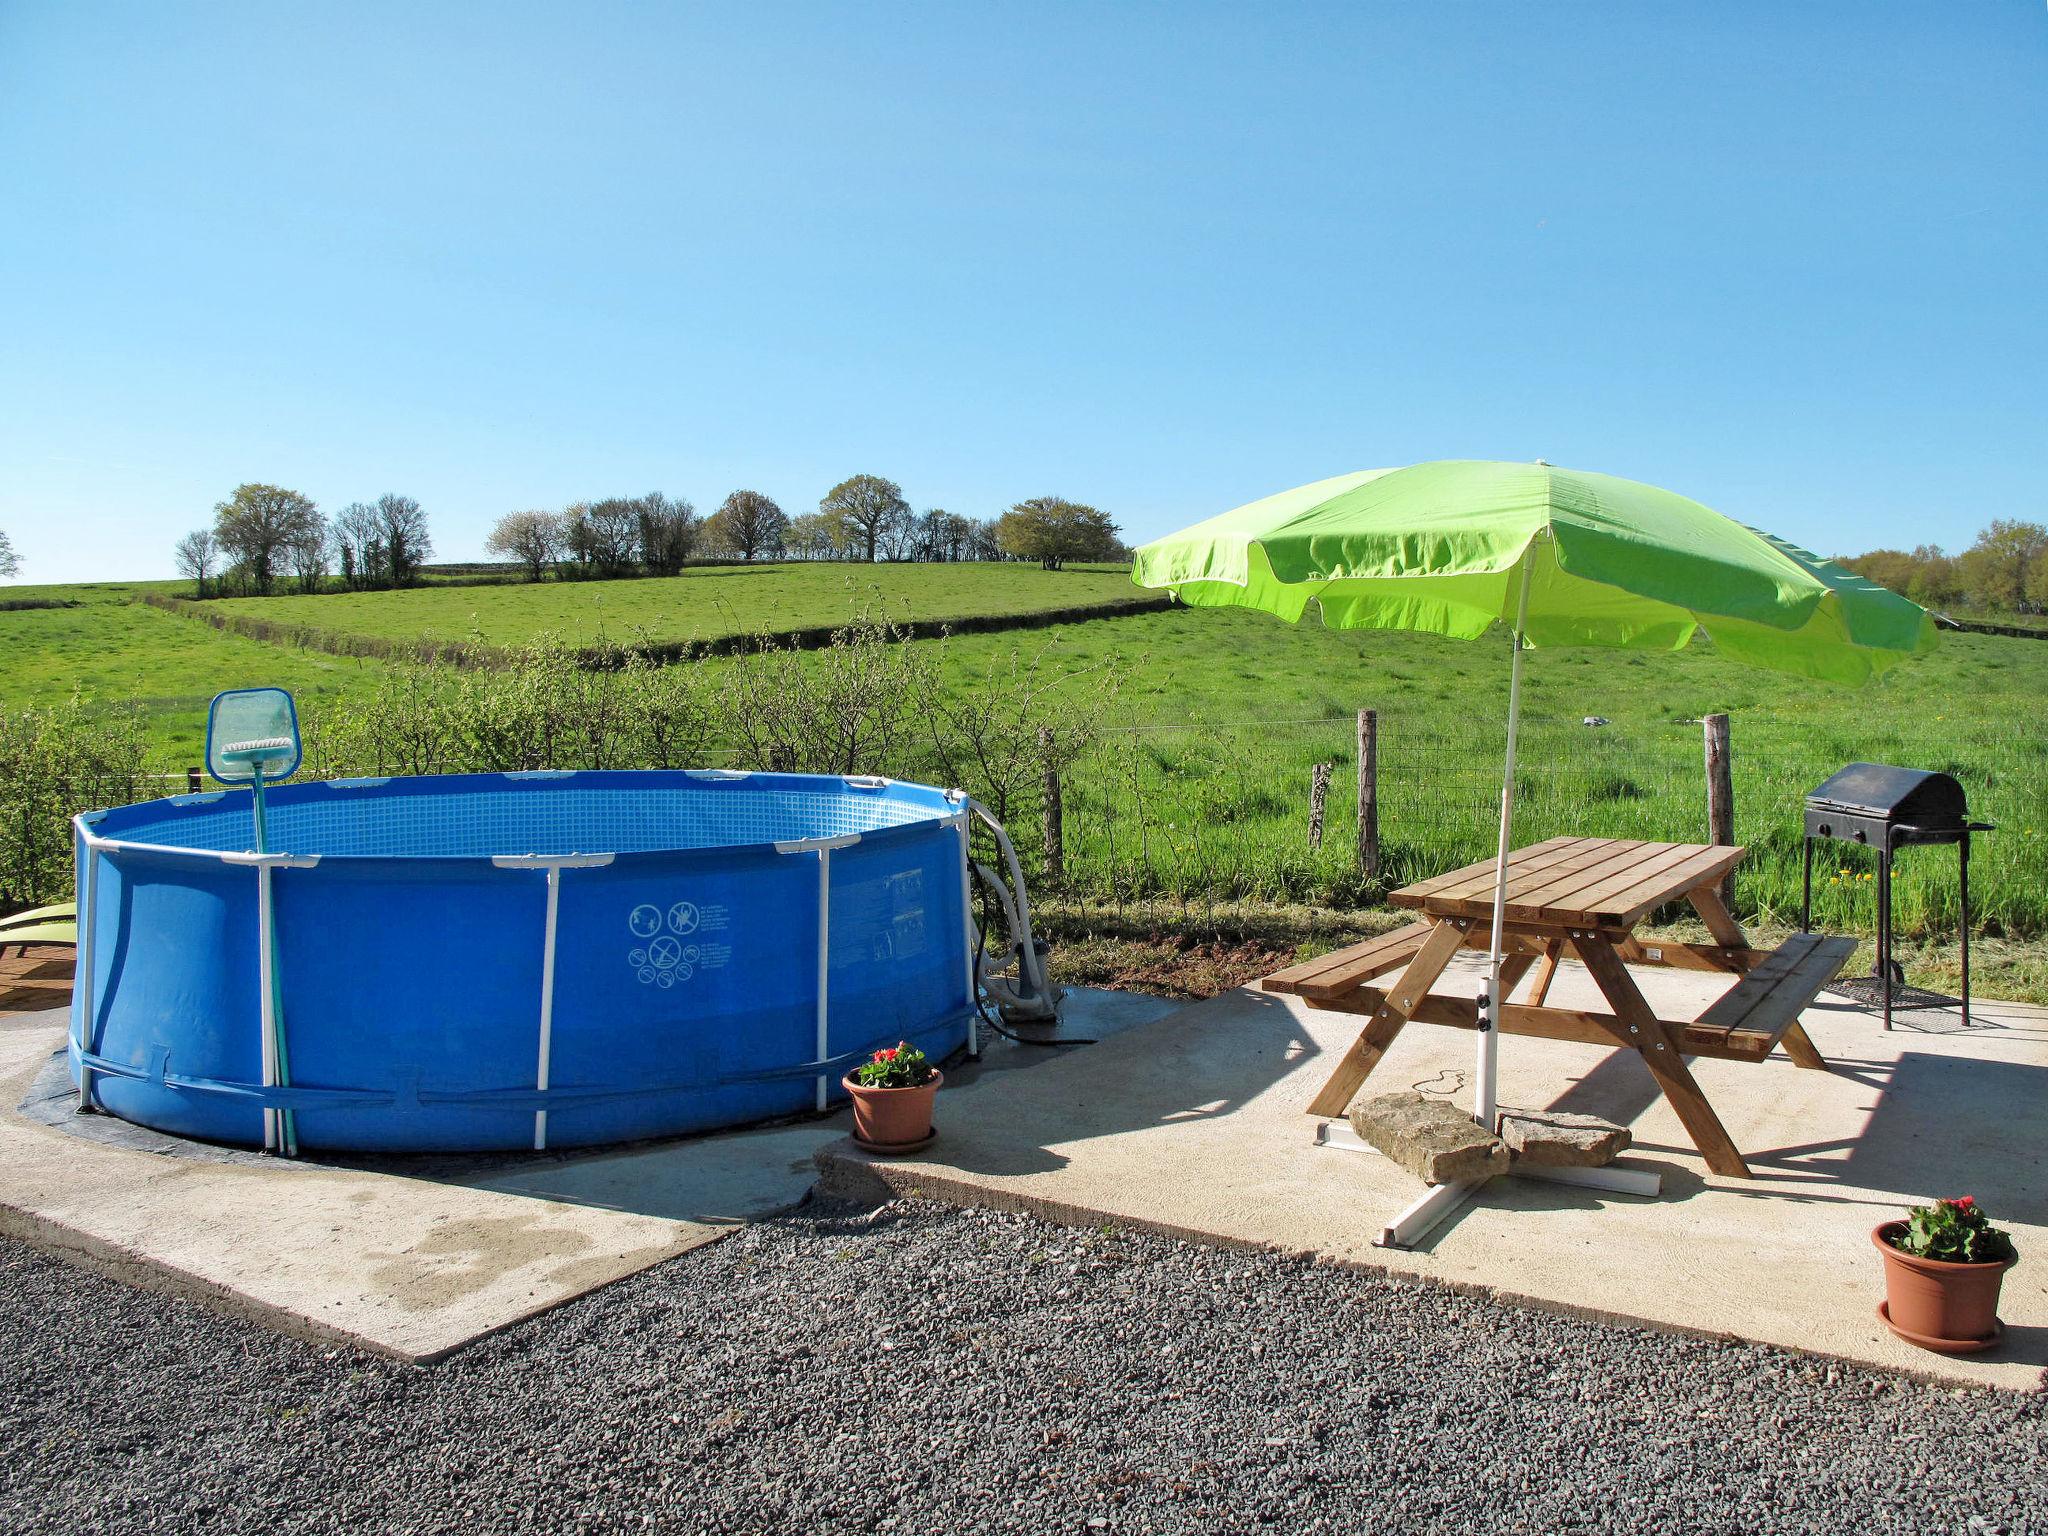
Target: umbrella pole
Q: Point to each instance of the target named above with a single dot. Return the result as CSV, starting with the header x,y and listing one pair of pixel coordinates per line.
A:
x,y
1423,1214
1485,1108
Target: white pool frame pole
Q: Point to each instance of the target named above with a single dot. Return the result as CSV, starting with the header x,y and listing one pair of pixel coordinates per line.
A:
x,y
971,937
266,981
551,865
86,999
824,965
547,1006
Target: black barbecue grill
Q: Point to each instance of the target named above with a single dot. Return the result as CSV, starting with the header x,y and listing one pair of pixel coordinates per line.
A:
x,y
1886,809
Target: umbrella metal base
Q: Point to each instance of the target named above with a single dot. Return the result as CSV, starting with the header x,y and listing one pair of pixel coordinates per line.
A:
x,y
1430,1209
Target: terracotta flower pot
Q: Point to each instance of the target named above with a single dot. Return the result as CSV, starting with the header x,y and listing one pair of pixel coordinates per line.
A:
x,y
893,1119
1938,1305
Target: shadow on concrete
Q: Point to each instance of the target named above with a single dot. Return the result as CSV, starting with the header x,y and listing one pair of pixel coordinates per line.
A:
x,y
1131,1082
1942,1125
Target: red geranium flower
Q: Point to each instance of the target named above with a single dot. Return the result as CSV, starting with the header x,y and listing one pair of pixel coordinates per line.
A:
x,y
1963,1202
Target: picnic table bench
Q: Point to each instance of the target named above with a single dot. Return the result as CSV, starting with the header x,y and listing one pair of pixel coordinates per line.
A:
x,y
1582,895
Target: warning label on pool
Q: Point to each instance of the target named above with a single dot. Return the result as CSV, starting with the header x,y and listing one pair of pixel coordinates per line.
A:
x,y
673,943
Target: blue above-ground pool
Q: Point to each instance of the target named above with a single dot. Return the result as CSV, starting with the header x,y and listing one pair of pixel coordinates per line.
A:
x,y
486,961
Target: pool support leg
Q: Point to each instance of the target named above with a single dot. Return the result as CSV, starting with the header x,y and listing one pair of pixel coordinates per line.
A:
x,y
280,1130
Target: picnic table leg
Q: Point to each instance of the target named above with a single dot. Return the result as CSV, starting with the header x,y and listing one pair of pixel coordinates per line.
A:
x,y
1660,1054
1719,920
1401,1000
1800,1047
1553,951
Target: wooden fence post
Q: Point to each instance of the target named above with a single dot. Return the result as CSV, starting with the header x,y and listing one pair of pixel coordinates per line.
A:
x,y
1318,794
1369,793
1052,821
1720,796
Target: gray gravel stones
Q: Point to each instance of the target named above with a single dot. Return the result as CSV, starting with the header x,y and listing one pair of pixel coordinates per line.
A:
x,y
919,1369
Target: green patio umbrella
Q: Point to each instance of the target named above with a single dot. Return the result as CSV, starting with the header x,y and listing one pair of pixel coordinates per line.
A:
x,y
1557,557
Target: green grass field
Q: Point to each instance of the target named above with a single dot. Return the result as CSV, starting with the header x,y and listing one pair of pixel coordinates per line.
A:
x,y
704,603
1198,789
114,650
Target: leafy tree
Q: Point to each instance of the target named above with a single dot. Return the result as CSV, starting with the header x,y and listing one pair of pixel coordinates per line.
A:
x,y
897,539
603,537
749,524
197,554
812,536
867,505
257,525
10,562
534,539
942,535
668,532
1053,531
1995,568
407,543
307,551
2037,581
358,534
982,540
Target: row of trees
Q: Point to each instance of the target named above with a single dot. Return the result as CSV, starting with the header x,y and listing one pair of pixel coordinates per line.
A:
x,y
264,534
862,518
2006,570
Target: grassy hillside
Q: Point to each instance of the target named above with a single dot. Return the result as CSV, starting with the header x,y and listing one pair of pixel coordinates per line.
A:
x,y
114,650
702,604
1198,788
1202,789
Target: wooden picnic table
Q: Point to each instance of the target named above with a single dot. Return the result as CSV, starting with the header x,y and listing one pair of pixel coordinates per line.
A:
x,y
1585,896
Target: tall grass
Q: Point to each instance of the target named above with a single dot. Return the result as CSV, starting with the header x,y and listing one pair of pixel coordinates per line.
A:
x,y
54,762
1222,813
1197,811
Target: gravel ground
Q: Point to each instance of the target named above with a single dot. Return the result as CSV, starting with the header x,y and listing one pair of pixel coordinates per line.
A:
x,y
923,1369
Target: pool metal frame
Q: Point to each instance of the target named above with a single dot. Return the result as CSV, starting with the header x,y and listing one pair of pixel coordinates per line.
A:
x,y
92,1064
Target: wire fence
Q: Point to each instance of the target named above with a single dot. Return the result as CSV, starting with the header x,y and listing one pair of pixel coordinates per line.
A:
x,y
1202,814
1208,814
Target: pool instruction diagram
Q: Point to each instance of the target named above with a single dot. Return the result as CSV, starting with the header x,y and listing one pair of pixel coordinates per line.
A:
x,y
673,943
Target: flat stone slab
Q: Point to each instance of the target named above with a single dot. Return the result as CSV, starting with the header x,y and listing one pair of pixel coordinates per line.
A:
x,y
1558,1139
1196,1126
1431,1138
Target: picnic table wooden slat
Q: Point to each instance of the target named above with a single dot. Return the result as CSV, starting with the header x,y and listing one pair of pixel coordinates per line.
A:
x,y
1563,868
1770,998
1620,887
1467,888
1535,857
1343,968
1704,869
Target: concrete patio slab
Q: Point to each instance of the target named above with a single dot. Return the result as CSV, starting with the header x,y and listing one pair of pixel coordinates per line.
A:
x,y
1195,1125
413,1257
410,1266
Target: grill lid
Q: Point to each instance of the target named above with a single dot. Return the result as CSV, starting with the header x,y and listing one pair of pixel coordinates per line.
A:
x,y
1913,796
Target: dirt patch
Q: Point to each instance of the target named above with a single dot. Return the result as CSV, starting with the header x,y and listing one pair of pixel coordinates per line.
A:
x,y
32,982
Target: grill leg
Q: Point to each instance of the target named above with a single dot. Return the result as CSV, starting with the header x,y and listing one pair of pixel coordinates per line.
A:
x,y
1884,929
1806,891
1966,928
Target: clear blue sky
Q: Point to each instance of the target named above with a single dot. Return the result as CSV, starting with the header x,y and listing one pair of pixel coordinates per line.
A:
x,y
1792,260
